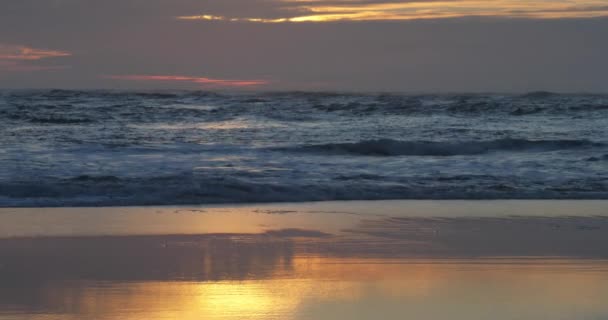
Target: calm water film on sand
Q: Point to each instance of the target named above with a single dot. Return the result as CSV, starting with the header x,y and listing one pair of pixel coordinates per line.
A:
x,y
290,159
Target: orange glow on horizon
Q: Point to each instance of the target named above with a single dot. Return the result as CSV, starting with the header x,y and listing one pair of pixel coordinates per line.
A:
x,y
199,80
315,11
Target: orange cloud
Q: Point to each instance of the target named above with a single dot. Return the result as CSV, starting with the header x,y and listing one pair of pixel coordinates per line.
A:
x,y
16,58
16,52
199,80
295,11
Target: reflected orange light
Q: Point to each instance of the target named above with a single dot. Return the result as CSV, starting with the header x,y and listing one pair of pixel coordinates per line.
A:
x,y
321,286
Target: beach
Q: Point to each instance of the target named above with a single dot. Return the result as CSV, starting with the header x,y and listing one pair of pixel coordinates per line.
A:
x,y
501,259
304,160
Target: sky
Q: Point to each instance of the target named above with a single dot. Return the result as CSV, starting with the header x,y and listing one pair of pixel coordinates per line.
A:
x,y
308,45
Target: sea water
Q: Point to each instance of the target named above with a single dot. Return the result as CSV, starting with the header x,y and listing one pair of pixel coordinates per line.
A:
x,y
101,148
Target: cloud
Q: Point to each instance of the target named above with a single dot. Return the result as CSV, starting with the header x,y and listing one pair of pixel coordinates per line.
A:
x,y
18,52
198,80
295,11
18,58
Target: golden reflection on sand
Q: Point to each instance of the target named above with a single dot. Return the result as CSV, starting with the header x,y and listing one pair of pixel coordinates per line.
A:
x,y
307,261
165,220
338,288
330,217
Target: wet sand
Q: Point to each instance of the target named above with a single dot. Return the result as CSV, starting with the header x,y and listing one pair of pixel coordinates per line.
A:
x,y
332,260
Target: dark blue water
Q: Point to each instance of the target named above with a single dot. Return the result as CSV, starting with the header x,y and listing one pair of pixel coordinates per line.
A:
x,y
66,148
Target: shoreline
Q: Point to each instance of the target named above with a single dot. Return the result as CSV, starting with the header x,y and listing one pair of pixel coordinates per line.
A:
x,y
312,202
327,216
404,229
589,197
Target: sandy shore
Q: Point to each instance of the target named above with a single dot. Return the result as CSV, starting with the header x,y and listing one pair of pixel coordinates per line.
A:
x,y
330,260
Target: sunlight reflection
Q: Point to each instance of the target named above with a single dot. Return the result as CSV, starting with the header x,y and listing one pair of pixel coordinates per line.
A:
x,y
307,261
326,288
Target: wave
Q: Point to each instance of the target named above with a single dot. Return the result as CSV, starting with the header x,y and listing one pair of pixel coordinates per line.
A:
x,y
389,147
599,158
135,105
189,189
58,120
540,94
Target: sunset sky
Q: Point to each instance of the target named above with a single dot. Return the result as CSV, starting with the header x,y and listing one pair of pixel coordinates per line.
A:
x,y
351,45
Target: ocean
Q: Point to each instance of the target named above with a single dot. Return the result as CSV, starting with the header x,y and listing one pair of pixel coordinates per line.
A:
x,y
111,148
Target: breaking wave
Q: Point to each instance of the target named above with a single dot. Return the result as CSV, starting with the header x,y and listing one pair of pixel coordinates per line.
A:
x,y
389,147
186,189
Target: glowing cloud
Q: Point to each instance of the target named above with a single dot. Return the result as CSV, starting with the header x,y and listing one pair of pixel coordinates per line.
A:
x,y
15,58
16,52
198,80
361,10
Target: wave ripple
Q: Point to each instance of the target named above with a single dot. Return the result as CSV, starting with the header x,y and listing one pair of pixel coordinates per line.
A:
x,y
389,147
